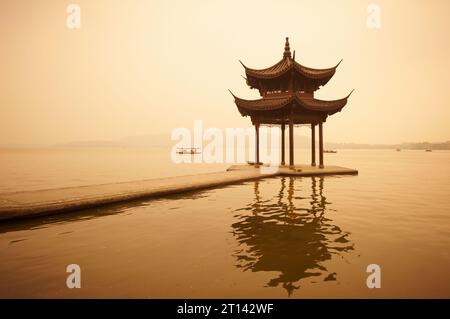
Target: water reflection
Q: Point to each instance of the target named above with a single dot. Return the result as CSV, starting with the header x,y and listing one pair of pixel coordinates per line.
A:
x,y
289,234
46,221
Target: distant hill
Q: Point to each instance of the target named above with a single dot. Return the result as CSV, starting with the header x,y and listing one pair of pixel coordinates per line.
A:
x,y
426,145
405,146
156,140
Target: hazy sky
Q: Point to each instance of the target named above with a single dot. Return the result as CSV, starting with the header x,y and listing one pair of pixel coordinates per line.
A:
x,y
146,67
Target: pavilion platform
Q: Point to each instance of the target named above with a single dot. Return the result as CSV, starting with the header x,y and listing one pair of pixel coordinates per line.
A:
x,y
301,170
16,205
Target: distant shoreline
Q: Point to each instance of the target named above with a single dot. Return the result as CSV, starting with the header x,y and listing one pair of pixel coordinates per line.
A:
x,y
402,146
300,142
326,146
303,142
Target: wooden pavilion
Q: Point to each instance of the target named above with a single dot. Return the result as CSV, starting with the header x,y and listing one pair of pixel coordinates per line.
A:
x,y
287,90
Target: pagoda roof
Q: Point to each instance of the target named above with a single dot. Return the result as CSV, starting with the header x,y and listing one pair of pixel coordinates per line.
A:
x,y
287,64
281,101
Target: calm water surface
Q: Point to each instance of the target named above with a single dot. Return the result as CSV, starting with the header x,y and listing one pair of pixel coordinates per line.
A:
x,y
277,237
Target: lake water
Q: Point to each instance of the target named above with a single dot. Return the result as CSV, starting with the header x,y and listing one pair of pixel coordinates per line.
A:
x,y
277,237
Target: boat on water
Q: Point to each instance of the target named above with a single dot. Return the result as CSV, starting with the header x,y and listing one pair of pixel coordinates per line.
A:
x,y
330,151
253,163
188,150
428,150
398,150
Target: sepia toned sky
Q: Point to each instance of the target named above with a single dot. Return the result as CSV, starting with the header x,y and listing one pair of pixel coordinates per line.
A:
x,y
146,67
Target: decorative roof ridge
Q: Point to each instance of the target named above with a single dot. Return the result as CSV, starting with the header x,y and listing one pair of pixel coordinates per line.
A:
x,y
315,69
296,95
287,64
265,98
291,62
306,97
232,94
264,69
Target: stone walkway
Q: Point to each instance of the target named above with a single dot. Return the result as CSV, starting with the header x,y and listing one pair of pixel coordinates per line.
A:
x,y
51,201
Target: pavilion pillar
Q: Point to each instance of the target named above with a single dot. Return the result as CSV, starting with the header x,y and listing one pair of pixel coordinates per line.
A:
x,y
291,143
320,145
283,162
313,144
257,145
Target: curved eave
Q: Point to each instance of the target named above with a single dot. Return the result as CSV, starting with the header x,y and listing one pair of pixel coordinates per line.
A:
x,y
284,66
276,103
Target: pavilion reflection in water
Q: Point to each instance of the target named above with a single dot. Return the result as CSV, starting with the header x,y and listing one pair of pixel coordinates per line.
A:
x,y
289,234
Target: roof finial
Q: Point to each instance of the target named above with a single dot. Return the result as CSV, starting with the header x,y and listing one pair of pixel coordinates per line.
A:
x,y
287,49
